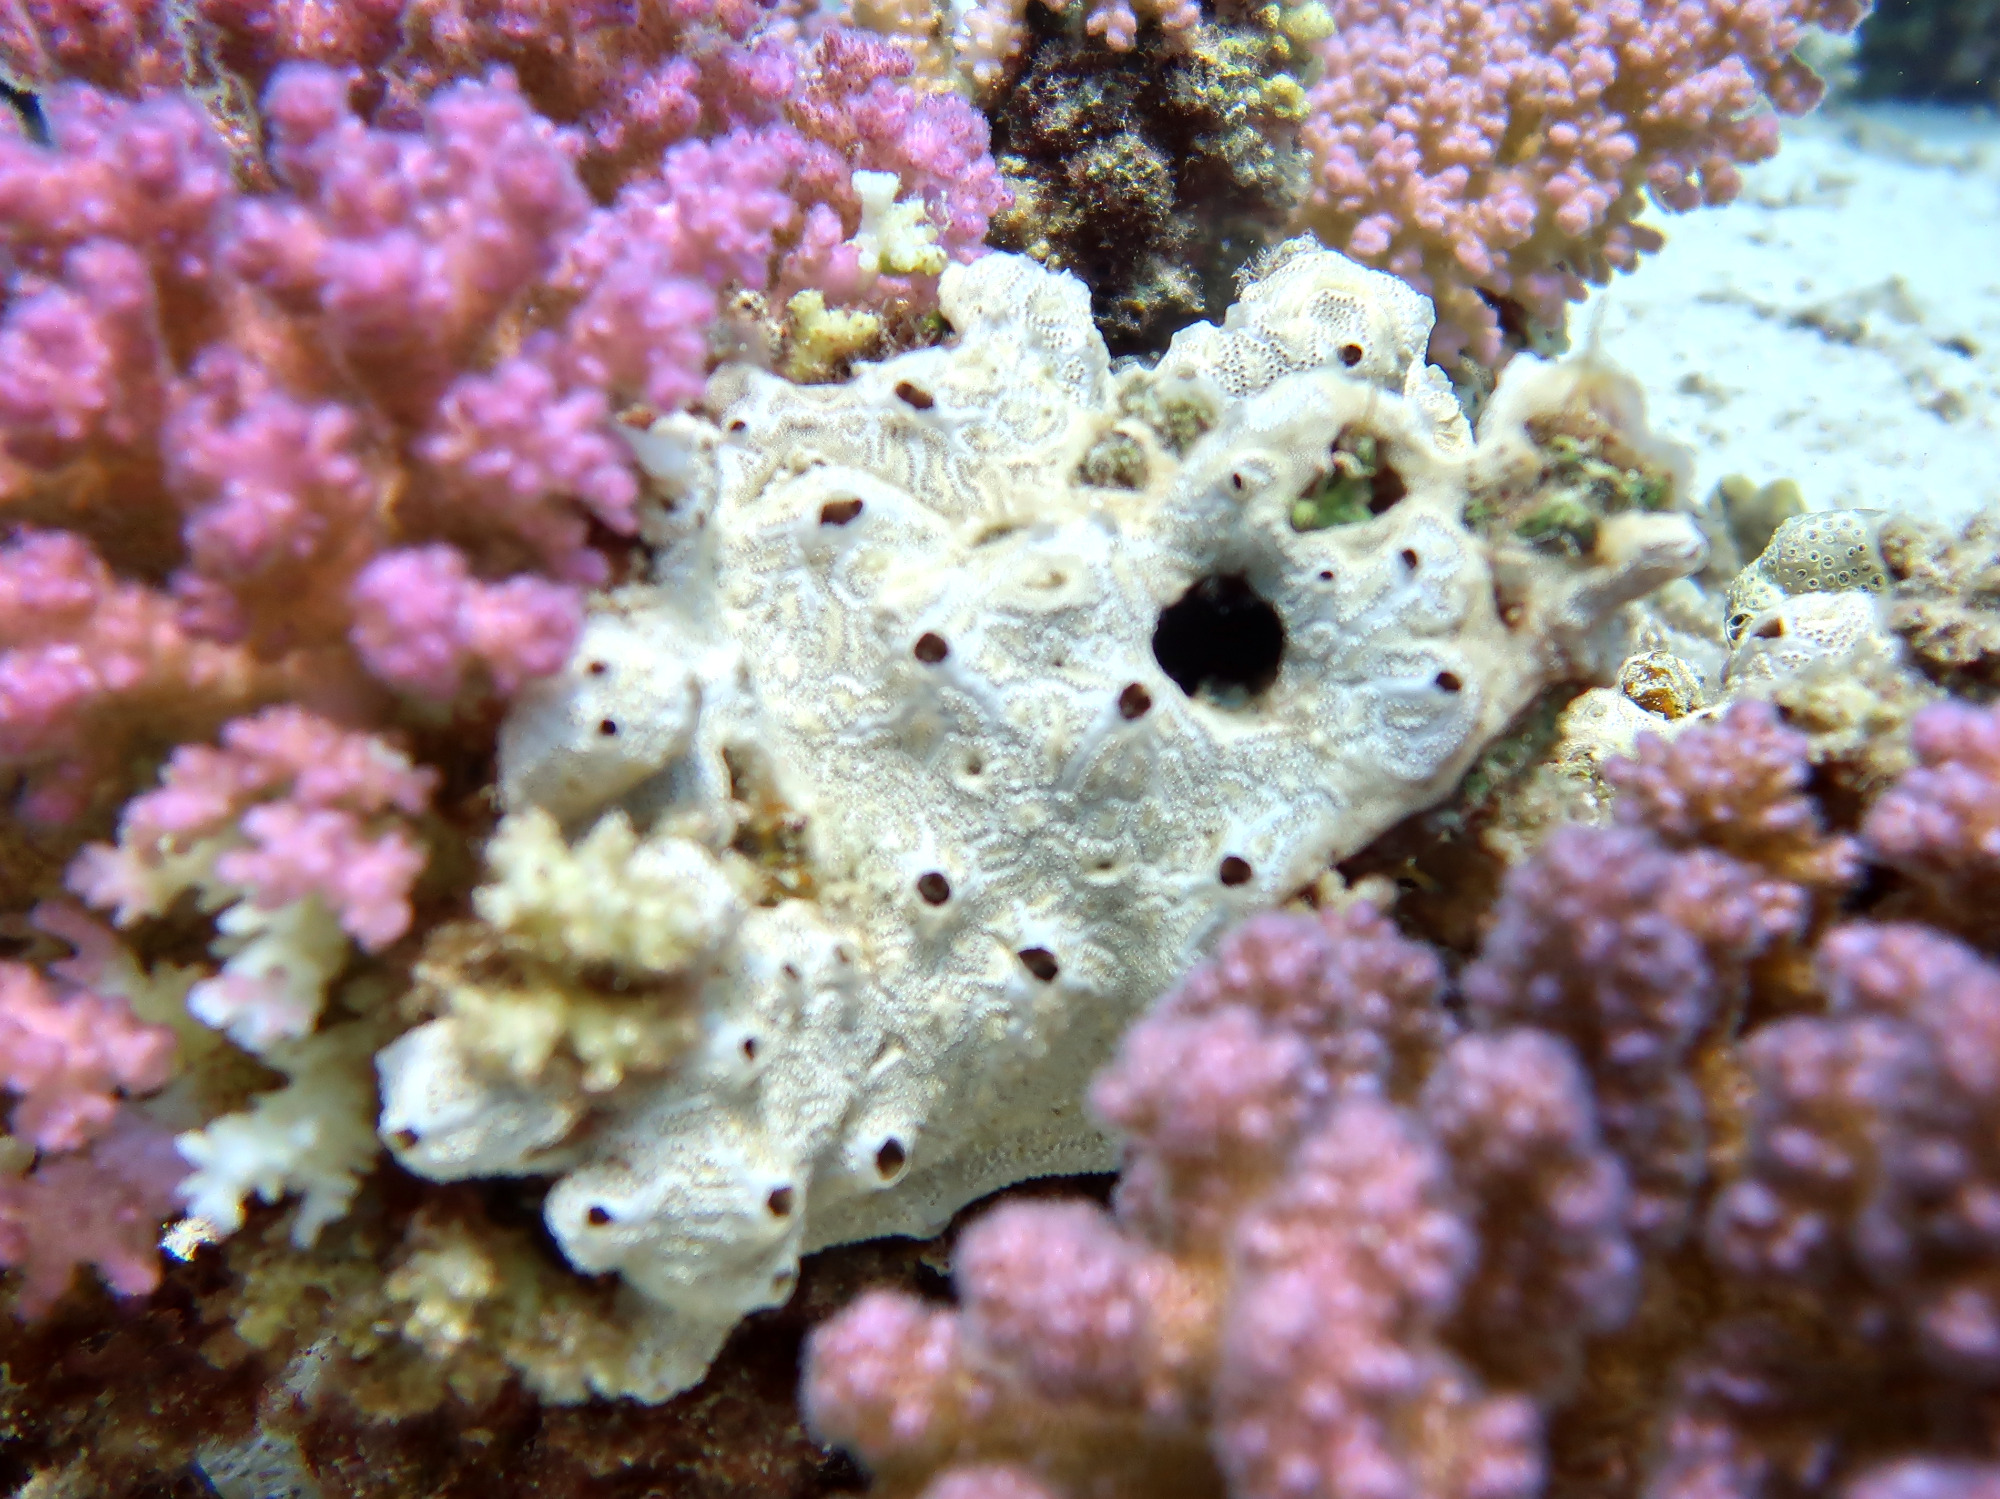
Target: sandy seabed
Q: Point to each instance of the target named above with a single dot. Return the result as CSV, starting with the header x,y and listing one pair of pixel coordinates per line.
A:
x,y
1839,324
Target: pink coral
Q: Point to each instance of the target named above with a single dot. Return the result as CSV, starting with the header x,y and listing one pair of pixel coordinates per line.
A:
x,y
1916,1479
304,809
1330,1358
1370,1241
1213,1090
237,372
422,623
127,45
1311,1278
1496,156
100,1206
1739,787
407,246
104,1175
1635,955
69,1055
1002,1482
1055,1292
412,331
91,666
1516,1114
151,175
1871,1173
647,271
1939,825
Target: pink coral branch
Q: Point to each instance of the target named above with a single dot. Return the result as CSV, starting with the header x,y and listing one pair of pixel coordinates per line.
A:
x,y
1940,825
422,624
88,664
69,1054
300,808
101,1206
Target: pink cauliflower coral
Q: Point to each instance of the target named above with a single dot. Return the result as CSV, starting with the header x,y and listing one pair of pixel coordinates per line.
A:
x,y
1370,1242
1319,1279
102,1206
99,1176
300,808
67,1054
302,830
1497,156
351,396
1939,826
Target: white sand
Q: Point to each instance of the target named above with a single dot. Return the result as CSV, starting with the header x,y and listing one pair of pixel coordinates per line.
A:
x,y
1840,323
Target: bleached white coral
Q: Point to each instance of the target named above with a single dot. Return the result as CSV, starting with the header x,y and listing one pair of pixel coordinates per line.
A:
x,y
581,959
310,1137
1014,680
895,238
655,905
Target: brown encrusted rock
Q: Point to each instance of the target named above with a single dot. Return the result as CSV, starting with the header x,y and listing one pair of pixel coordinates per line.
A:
x,y
1944,598
1151,174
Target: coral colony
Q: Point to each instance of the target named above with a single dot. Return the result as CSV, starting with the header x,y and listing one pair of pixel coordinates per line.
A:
x,y
642,639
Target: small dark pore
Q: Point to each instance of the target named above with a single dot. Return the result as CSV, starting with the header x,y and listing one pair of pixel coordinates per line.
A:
x,y
1235,871
1040,962
1447,681
780,1202
838,512
1350,355
749,1048
607,726
403,1139
889,1159
599,1215
934,888
1384,489
1134,701
930,648
1409,558
914,395
1771,629
597,668
1220,633
24,103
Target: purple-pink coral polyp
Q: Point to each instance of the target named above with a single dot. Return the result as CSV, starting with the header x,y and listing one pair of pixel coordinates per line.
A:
x,y
101,1174
1940,825
102,1206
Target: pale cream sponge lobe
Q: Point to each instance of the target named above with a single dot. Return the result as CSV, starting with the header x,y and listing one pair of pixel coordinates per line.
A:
x,y
994,683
